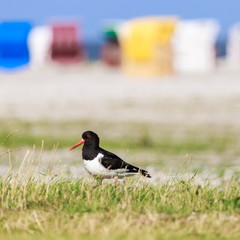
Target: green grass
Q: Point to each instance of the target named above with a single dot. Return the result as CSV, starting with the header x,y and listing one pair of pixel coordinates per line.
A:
x,y
74,209
134,136
49,206
164,145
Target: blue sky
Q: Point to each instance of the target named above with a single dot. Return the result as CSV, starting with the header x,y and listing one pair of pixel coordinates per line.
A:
x,y
92,13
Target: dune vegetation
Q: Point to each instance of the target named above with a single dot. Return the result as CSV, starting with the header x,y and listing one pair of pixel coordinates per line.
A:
x,y
37,204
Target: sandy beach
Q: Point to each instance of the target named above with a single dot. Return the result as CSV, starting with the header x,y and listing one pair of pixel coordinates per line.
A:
x,y
93,92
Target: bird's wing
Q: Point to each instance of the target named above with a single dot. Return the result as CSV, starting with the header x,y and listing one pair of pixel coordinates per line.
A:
x,y
113,162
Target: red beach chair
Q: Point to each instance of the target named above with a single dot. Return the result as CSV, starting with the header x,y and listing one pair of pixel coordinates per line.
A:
x,y
66,46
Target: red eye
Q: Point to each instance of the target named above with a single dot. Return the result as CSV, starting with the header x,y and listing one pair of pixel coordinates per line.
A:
x,y
88,135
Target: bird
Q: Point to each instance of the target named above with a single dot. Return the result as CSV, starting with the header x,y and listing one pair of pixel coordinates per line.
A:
x,y
102,164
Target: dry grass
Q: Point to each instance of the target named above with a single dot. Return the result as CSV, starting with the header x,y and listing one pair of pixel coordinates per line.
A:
x,y
37,201
51,207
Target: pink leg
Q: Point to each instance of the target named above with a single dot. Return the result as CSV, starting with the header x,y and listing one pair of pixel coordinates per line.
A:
x,y
117,181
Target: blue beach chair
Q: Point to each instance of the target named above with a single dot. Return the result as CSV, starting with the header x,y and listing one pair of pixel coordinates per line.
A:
x,y
13,44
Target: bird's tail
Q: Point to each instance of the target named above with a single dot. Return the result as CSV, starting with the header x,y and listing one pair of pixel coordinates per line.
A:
x,y
144,173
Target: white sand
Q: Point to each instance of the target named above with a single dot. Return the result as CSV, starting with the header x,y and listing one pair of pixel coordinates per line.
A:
x,y
92,92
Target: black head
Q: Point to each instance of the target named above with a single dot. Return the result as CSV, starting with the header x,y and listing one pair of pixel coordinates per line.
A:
x,y
89,134
89,138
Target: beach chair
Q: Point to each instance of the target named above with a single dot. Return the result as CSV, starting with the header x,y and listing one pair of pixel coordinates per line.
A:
x,y
66,47
233,47
13,44
194,46
146,46
39,42
110,50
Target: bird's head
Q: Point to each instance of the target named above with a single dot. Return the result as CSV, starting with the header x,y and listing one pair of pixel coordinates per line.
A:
x,y
89,138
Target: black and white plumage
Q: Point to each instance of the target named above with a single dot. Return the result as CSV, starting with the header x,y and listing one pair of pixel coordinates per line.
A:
x,y
103,164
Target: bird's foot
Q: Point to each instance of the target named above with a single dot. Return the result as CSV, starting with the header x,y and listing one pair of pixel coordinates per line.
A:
x,y
117,180
99,182
97,185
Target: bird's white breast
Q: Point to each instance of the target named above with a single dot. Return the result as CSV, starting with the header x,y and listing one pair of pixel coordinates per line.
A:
x,y
95,168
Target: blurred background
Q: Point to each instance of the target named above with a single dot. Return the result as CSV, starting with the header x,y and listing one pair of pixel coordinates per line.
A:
x,y
157,80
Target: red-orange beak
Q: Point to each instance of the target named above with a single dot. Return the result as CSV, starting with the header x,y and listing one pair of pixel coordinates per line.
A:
x,y
77,144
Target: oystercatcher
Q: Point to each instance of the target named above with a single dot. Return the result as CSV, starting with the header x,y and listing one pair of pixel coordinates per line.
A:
x,y
102,164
